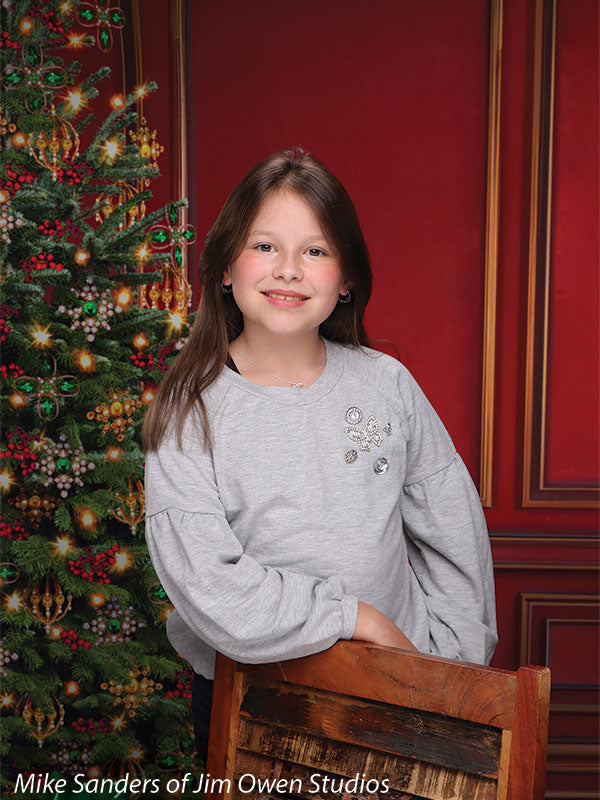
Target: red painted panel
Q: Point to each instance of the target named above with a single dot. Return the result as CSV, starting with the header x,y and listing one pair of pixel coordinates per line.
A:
x,y
574,651
573,434
393,98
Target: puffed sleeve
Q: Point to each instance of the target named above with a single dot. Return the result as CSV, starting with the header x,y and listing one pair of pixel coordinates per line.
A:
x,y
249,612
447,537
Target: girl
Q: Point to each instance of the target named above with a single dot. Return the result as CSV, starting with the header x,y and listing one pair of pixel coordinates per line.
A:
x,y
292,471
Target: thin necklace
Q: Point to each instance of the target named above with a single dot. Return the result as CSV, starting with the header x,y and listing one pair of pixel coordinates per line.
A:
x,y
295,384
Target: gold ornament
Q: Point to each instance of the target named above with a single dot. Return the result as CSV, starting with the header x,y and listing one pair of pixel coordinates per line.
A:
x,y
58,148
149,147
112,202
5,125
131,510
53,600
117,414
42,723
134,693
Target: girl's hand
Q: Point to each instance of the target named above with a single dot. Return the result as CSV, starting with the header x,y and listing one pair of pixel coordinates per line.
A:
x,y
373,626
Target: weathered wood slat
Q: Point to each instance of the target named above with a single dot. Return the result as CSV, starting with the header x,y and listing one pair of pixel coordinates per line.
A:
x,y
342,763
414,680
446,742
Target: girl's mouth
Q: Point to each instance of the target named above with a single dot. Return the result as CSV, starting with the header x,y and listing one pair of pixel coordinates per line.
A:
x,y
285,297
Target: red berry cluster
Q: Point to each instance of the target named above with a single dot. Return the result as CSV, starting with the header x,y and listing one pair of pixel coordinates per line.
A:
x,y
92,566
184,685
5,312
17,177
39,262
12,370
19,448
72,639
6,41
146,361
51,21
74,173
91,725
51,228
13,530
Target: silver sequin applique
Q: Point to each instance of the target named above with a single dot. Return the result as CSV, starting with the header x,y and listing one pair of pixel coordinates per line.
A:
x,y
351,456
353,415
368,435
380,466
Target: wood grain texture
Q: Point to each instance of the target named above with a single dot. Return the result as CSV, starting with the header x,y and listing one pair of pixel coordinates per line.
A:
x,y
530,734
407,777
414,680
440,740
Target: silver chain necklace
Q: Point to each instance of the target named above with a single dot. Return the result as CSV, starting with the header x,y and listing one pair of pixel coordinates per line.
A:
x,y
294,384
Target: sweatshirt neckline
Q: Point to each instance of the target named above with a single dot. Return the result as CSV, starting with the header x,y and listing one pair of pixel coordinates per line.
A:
x,y
291,395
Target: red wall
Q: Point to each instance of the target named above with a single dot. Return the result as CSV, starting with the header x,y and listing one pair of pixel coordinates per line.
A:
x,y
393,97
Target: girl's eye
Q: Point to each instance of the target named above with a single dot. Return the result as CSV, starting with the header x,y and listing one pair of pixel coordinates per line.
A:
x,y
268,248
316,251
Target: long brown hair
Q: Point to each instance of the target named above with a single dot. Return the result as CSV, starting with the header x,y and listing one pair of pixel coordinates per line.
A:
x,y
219,320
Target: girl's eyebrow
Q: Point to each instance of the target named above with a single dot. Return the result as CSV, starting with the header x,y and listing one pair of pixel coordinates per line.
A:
x,y
313,237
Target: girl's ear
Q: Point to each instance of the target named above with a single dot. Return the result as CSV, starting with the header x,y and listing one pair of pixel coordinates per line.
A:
x,y
226,276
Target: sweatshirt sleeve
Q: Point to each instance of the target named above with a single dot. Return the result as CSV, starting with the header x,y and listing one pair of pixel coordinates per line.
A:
x,y
447,538
249,612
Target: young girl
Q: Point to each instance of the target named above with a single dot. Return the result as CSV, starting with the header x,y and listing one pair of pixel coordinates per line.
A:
x,y
292,471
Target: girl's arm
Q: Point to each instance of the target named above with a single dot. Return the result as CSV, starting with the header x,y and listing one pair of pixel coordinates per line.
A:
x,y
249,612
373,626
447,538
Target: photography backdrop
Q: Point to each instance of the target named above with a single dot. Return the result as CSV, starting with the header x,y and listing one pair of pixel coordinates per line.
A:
x,y
467,135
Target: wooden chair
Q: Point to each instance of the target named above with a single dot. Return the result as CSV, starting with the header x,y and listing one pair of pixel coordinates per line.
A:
x,y
432,727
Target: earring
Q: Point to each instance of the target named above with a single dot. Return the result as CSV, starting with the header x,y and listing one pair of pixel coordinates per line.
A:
x,y
226,288
345,298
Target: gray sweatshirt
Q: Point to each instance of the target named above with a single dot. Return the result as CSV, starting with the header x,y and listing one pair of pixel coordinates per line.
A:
x,y
310,500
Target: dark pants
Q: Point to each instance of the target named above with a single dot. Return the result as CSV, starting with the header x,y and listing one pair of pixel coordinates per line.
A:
x,y
202,689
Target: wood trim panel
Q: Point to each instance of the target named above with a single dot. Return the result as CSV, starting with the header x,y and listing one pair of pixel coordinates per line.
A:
x,y
536,492
491,254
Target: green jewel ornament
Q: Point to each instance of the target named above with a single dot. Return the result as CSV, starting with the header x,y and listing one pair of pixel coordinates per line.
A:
x,y
35,75
157,594
173,234
167,762
8,573
114,625
47,390
75,756
63,465
90,309
103,18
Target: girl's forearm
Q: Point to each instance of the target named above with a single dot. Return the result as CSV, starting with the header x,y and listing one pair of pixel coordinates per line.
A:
x,y
373,626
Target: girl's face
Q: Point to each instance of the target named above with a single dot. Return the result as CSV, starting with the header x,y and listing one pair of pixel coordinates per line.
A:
x,y
285,254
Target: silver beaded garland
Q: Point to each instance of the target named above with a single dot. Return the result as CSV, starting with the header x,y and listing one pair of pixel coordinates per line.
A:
x,y
54,453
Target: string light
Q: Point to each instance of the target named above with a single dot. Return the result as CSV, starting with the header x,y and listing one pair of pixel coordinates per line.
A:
x,y
124,297
175,321
142,252
123,560
62,545
13,603
81,257
16,400
117,723
19,139
7,700
72,688
87,518
97,600
111,149
26,26
65,7
117,101
55,632
140,341
76,41
148,395
41,336
114,453
85,361
141,91
75,100
6,480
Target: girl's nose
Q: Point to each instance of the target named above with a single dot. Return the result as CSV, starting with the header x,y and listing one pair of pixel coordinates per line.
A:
x,y
288,267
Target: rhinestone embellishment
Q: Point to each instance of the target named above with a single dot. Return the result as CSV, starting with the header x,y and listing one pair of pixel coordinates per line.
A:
x,y
387,429
368,435
351,456
381,466
353,415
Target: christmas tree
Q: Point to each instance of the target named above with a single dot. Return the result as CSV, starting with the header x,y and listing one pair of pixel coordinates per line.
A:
x,y
93,310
